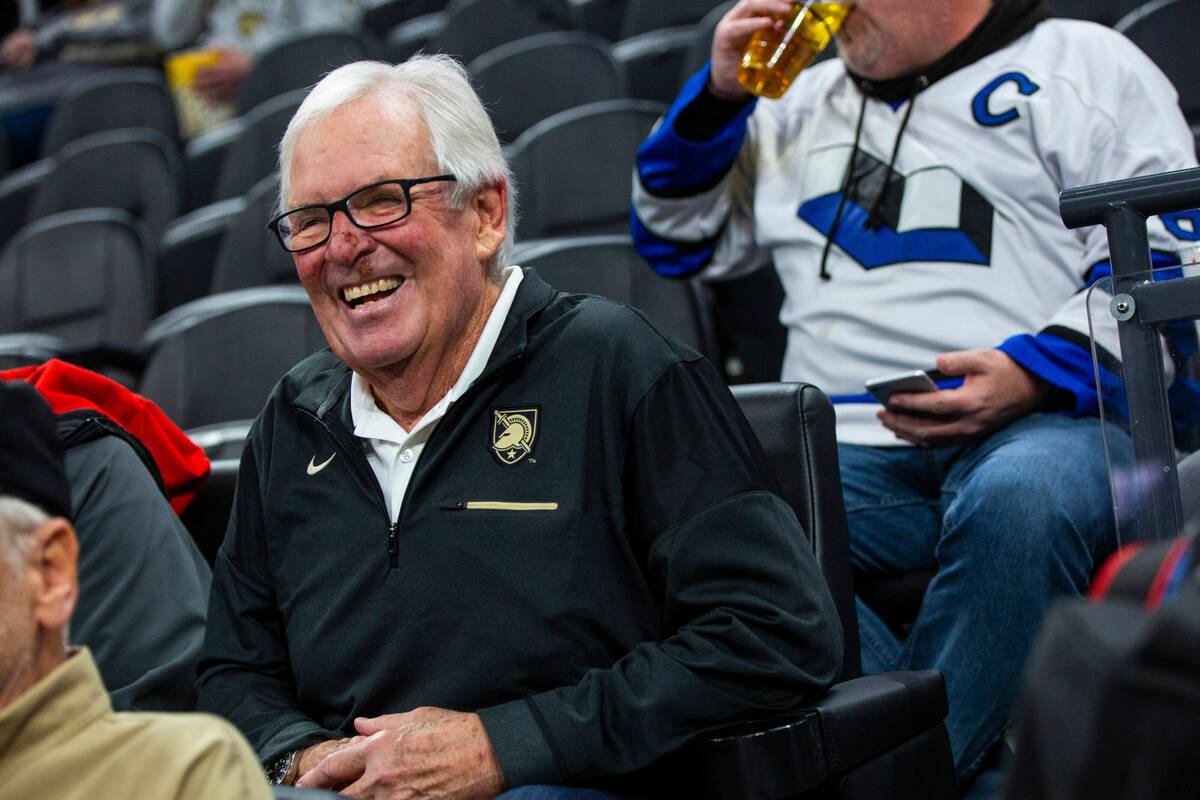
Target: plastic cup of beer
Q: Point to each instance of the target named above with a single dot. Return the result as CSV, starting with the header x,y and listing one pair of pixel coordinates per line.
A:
x,y
775,55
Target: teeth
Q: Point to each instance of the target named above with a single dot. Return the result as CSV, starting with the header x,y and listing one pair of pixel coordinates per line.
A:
x,y
374,287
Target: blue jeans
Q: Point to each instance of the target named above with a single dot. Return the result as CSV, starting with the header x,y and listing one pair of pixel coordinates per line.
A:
x,y
1010,523
556,793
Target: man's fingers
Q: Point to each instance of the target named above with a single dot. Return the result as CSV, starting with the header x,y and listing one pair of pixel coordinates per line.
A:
x,y
944,403
963,362
384,722
336,769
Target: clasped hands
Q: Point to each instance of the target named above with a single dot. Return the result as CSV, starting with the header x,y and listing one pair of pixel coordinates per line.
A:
x,y
427,753
996,391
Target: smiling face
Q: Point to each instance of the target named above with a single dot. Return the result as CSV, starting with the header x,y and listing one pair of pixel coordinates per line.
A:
x,y
408,295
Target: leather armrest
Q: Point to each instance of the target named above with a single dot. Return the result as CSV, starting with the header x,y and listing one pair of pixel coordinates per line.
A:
x,y
856,721
865,717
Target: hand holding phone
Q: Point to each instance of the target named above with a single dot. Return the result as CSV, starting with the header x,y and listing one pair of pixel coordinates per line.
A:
x,y
917,380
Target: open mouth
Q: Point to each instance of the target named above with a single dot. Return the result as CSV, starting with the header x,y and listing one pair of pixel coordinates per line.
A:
x,y
367,293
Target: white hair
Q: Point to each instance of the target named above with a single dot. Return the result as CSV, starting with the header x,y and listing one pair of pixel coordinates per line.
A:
x,y
461,135
18,520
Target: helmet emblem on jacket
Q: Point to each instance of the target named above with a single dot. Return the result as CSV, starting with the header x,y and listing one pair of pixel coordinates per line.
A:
x,y
514,431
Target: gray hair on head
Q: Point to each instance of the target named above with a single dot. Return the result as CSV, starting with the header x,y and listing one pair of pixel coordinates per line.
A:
x,y
461,135
18,519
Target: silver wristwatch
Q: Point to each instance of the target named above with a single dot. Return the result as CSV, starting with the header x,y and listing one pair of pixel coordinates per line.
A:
x,y
281,768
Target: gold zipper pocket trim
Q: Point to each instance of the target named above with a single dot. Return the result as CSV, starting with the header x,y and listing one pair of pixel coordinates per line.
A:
x,y
503,505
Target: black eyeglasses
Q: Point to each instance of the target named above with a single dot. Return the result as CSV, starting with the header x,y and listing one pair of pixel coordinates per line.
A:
x,y
369,207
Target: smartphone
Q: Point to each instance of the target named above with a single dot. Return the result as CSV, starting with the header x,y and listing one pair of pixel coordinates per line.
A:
x,y
919,380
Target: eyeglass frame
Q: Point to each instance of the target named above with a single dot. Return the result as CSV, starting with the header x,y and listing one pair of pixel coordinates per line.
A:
x,y
343,205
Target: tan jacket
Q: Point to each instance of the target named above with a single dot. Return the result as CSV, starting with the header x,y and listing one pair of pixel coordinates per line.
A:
x,y
61,739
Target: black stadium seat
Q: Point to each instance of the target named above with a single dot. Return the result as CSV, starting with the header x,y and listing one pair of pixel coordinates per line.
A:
x,y
648,15
698,56
878,737
653,61
137,170
253,154
472,27
249,254
1106,12
381,16
187,252
1164,29
529,79
85,276
214,360
609,266
300,61
129,97
574,169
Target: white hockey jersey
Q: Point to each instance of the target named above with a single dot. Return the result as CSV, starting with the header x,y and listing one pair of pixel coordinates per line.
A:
x,y
964,247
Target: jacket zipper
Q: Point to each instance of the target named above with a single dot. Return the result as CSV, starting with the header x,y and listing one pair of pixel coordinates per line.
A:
x,y
393,546
393,538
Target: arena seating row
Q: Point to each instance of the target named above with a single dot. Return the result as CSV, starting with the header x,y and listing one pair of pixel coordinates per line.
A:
x,y
572,106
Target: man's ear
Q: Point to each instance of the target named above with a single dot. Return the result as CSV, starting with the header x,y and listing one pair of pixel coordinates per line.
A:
x,y
53,561
491,204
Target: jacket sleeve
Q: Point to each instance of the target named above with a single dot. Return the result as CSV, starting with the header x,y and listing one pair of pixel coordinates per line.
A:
x,y
245,670
143,584
1121,121
749,625
693,188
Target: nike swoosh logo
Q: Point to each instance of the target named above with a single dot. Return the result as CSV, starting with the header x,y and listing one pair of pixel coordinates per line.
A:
x,y
314,467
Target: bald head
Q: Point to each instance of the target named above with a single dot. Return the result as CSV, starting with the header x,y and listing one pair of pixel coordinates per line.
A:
x,y
38,589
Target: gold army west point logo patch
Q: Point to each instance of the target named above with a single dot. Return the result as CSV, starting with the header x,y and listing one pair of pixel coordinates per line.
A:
x,y
514,431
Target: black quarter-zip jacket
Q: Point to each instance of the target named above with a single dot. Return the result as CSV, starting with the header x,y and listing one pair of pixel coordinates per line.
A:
x,y
629,580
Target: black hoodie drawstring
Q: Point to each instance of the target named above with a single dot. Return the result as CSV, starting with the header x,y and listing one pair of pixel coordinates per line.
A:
x,y
845,190
874,219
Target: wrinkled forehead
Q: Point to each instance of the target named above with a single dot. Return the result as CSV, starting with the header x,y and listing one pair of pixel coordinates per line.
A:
x,y
358,143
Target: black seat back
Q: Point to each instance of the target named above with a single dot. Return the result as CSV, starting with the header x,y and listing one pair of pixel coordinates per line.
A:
x,y
249,254
573,170
137,170
648,15
473,27
254,153
794,422
527,80
130,97
85,276
1162,30
609,266
216,359
299,61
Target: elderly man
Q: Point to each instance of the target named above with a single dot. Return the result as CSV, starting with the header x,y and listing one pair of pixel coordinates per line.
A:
x,y
59,736
500,536
907,194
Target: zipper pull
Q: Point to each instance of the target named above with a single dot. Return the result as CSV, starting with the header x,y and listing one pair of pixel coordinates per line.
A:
x,y
393,546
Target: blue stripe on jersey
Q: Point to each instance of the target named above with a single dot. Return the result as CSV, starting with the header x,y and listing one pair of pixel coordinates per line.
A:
x,y
1158,260
669,259
881,246
668,164
1099,271
1068,367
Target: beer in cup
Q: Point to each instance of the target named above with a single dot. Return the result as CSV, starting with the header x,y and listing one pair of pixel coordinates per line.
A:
x,y
775,55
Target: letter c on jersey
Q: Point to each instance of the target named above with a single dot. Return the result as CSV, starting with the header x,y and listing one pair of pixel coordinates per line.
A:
x,y
979,105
